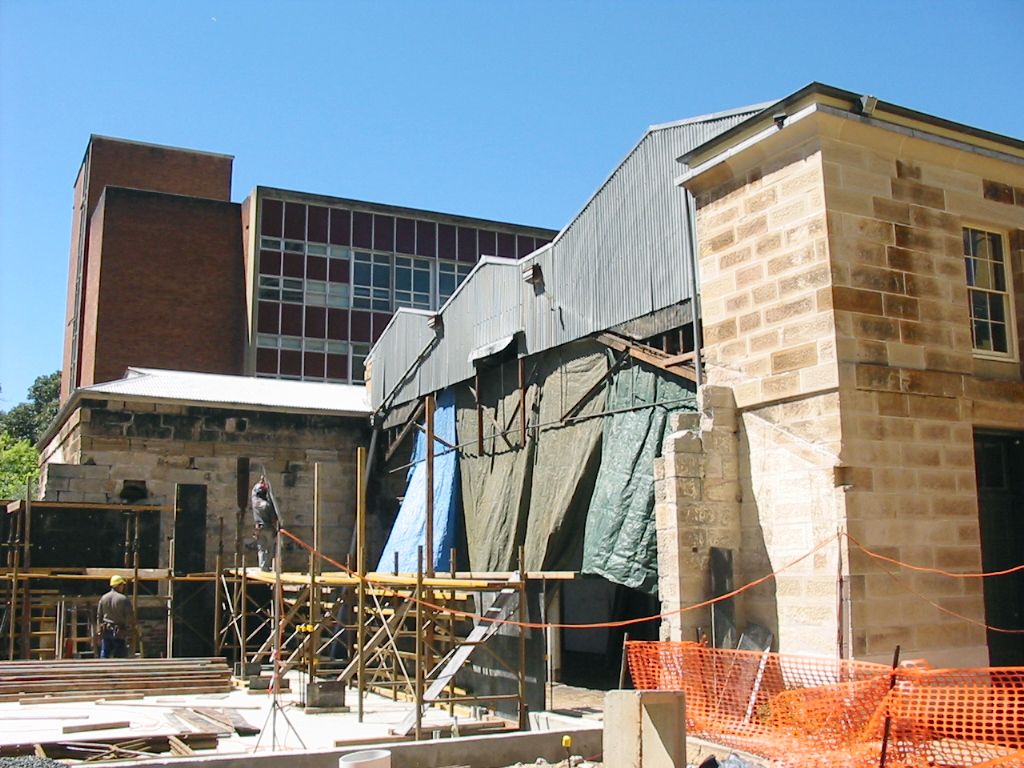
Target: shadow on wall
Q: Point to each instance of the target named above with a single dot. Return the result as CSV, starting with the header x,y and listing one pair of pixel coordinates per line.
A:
x,y
790,505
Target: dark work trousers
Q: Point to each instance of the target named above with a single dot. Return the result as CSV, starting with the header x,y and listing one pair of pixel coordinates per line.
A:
x,y
113,647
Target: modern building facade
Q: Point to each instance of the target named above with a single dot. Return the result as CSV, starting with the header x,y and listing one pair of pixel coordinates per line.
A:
x,y
166,272
324,275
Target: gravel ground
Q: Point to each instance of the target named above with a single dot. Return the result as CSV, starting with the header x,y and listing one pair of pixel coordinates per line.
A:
x,y
29,762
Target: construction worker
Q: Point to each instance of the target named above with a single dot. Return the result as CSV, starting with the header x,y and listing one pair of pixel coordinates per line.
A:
x,y
116,620
266,520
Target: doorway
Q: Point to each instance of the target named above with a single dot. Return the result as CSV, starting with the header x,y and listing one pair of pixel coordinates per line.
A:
x,y
193,600
591,658
999,463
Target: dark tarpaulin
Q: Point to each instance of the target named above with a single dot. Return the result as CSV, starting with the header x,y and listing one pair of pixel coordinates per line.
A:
x,y
534,494
620,542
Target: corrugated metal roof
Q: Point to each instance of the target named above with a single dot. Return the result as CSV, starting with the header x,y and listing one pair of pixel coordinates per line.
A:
x,y
241,391
624,255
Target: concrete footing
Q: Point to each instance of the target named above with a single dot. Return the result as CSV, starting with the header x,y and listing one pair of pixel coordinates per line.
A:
x,y
491,751
326,696
645,729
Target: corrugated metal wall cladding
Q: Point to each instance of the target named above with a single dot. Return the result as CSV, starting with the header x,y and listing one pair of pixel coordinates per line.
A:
x,y
623,256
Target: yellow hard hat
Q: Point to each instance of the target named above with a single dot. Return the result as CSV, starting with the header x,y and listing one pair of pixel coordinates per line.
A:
x,y
117,580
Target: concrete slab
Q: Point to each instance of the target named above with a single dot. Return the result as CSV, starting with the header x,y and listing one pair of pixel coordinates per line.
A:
x,y
293,738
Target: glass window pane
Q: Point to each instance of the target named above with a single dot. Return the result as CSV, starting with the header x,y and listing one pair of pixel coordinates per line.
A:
x,y
979,305
999,338
291,342
972,272
982,338
422,281
997,307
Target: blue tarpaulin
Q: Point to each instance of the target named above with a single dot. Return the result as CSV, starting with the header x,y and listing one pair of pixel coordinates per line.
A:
x,y
409,530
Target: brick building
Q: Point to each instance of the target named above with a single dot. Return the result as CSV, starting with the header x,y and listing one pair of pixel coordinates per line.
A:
x,y
166,272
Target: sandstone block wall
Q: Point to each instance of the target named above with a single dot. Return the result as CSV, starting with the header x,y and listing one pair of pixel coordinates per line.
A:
x,y
697,495
769,336
913,390
835,307
107,442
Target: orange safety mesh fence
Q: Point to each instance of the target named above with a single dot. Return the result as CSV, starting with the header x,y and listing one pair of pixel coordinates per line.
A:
x,y
804,711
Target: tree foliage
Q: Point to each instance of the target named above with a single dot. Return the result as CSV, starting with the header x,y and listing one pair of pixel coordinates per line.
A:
x,y
20,429
28,421
19,466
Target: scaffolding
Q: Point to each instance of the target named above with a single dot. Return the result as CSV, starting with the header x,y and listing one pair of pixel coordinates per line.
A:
x,y
404,636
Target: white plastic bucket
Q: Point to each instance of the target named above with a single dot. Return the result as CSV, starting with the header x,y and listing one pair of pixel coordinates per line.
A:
x,y
367,758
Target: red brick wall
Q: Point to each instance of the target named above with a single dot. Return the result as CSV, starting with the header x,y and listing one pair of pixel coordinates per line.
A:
x,y
76,223
167,286
160,169
111,162
89,298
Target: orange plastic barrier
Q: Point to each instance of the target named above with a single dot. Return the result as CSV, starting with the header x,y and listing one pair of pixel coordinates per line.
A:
x,y
804,711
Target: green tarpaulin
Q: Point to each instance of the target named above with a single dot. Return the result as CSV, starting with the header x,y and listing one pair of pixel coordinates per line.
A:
x,y
620,542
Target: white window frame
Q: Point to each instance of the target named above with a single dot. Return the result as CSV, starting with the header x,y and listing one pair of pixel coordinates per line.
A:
x,y
357,350
412,297
457,268
372,294
1010,355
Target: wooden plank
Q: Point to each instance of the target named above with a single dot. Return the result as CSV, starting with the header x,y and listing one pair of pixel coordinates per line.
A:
x,y
113,695
230,719
127,746
111,726
199,724
71,698
179,747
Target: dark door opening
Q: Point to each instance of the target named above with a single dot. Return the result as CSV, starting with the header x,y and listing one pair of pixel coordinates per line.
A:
x,y
591,658
193,601
999,462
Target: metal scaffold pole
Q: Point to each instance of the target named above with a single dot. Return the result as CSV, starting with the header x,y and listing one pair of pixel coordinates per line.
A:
x,y
418,686
218,569
170,597
361,571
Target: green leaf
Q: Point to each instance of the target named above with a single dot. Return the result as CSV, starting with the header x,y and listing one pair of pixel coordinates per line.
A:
x,y
19,466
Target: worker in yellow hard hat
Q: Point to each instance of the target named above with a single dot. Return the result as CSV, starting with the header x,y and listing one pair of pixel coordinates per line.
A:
x,y
116,619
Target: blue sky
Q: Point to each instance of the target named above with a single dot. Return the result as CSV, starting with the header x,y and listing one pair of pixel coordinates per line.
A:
x,y
513,111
